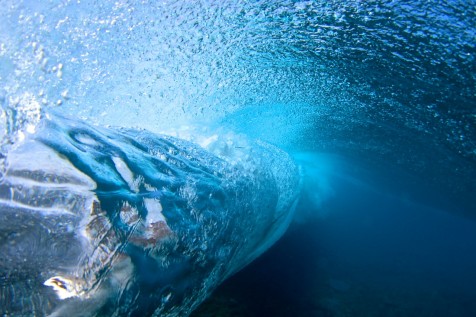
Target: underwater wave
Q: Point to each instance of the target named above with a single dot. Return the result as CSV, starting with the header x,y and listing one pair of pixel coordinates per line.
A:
x,y
387,87
119,222
380,81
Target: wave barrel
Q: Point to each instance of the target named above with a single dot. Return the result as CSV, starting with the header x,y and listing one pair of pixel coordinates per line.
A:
x,y
123,222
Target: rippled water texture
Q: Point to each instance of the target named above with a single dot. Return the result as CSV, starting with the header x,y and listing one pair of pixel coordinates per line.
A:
x,y
385,80
387,87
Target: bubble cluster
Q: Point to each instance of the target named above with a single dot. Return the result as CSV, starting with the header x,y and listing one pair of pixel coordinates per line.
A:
x,y
362,77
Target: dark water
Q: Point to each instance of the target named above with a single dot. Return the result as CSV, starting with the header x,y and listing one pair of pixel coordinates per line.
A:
x,y
370,255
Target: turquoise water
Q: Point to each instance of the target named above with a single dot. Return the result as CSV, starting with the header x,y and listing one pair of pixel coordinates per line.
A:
x,y
374,102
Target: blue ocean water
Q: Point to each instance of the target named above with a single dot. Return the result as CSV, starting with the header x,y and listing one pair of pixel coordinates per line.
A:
x,y
369,254
153,149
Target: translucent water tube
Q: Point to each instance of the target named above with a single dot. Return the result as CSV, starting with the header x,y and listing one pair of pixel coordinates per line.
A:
x,y
125,222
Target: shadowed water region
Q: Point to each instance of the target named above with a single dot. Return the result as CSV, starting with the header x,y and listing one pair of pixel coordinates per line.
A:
x,y
370,255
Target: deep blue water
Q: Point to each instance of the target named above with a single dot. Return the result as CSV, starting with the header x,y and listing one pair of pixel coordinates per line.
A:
x,y
374,100
370,255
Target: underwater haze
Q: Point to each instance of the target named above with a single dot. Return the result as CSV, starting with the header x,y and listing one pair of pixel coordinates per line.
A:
x,y
153,151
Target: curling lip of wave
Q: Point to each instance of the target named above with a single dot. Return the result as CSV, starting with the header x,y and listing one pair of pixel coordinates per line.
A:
x,y
126,220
